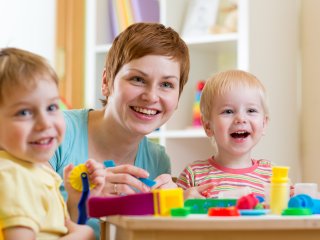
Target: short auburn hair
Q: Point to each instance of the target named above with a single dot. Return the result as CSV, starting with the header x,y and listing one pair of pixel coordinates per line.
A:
x,y
141,39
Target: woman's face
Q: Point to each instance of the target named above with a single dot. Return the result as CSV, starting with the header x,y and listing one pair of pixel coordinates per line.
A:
x,y
145,94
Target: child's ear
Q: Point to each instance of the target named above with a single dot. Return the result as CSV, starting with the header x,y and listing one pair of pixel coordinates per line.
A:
x,y
265,124
207,127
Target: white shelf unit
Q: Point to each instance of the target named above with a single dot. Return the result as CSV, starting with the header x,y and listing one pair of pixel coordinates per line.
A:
x,y
210,54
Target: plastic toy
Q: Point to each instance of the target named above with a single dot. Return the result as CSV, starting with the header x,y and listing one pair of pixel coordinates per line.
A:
x,y
253,212
201,206
196,122
135,204
79,180
227,211
247,202
279,189
180,212
165,199
75,177
158,202
296,212
310,189
146,181
305,201
83,217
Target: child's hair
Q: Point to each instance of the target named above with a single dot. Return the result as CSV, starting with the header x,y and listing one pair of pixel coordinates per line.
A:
x,y
221,82
141,39
22,68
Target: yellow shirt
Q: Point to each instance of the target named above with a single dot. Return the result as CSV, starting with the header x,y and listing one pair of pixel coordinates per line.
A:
x,y
30,197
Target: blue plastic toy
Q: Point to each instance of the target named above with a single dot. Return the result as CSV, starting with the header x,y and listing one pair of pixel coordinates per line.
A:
x,y
146,181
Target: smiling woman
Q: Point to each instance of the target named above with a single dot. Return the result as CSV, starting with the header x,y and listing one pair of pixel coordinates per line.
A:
x,y
145,72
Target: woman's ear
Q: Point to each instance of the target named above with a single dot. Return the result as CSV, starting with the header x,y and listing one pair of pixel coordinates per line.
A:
x,y
104,85
207,127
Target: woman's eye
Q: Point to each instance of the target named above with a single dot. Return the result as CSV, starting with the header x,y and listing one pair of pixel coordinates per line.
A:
x,y
167,85
137,79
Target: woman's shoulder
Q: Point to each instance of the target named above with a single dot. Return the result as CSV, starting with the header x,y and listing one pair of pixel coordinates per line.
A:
x,y
76,122
76,115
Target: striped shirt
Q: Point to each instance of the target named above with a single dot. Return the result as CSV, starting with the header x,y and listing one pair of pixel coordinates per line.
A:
x,y
208,171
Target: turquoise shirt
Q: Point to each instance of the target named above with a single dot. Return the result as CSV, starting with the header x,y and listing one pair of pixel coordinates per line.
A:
x,y
74,149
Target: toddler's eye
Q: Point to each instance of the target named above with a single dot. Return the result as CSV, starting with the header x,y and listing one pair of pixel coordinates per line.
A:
x,y
252,110
53,107
24,112
227,111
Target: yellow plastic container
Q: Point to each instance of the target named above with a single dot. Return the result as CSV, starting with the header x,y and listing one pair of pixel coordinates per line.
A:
x,y
279,189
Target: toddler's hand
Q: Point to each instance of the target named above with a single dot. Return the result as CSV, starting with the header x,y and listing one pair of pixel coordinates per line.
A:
x,y
96,175
164,181
199,191
73,194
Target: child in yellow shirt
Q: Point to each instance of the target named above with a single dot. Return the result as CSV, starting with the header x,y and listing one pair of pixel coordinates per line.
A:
x,y
31,128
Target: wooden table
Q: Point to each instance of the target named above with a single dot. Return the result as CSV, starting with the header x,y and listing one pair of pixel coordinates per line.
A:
x,y
198,227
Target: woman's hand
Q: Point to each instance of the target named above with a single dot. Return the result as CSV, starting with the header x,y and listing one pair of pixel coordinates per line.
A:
x,y
123,180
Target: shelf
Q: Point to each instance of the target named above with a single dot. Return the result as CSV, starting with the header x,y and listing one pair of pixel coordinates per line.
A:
x,y
187,133
214,38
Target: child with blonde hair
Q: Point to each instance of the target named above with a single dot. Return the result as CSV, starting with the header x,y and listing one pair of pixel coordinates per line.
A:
x,y
235,115
31,128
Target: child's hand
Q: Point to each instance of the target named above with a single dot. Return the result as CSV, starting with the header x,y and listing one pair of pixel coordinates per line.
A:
x,y
73,195
96,174
164,181
198,192
78,232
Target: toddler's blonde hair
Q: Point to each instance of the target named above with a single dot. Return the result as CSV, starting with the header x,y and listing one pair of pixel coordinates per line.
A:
x,y
21,68
225,81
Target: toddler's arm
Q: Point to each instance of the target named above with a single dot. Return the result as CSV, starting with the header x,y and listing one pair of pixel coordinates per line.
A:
x,y
15,233
78,232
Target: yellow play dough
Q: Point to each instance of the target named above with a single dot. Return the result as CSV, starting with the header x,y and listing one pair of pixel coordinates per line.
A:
x,y
75,177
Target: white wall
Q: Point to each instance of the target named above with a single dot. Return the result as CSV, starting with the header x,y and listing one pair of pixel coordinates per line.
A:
x,y
273,58
310,59
29,25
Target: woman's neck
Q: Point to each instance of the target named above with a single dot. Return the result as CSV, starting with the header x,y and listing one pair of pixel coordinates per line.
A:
x,y
107,141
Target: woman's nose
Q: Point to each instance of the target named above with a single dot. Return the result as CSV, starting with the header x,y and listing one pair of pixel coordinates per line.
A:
x,y
151,94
